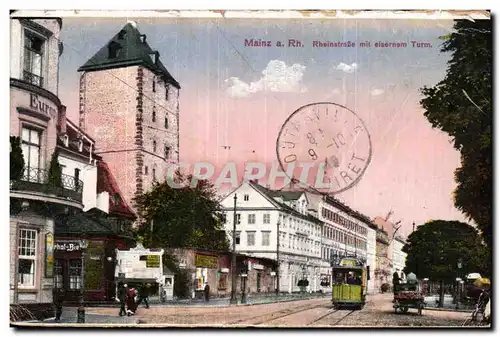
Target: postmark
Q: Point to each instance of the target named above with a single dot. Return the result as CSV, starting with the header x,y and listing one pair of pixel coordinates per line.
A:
x,y
328,139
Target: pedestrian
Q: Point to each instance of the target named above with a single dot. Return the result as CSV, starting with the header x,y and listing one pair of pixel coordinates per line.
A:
x,y
131,303
121,296
207,292
144,290
58,303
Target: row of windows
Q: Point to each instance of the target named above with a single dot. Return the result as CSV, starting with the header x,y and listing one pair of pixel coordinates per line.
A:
x,y
153,118
265,235
298,224
334,217
251,218
166,149
343,237
299,243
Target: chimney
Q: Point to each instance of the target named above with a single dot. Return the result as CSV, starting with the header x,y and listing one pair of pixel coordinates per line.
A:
x,y
133,23
61,120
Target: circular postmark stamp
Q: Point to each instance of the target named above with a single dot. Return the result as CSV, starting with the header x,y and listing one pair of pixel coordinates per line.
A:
x,y
324,145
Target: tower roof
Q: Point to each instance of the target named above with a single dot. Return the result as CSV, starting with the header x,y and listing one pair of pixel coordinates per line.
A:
x,y
128,48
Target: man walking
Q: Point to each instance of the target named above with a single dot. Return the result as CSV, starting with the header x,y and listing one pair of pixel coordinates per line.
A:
x,y
207,292
144,294
121,295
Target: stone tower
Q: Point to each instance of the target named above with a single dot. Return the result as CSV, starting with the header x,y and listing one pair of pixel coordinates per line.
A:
x,y
129,103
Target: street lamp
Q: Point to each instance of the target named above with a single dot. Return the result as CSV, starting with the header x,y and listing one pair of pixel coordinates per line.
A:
x,y
278,258
458,279
81,308
233,299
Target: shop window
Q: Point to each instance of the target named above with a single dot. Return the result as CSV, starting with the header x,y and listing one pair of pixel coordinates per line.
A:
x,y
58,274
27,257
31,150
222,282
201,278
267,218
265,238
75,272
33,57
251,219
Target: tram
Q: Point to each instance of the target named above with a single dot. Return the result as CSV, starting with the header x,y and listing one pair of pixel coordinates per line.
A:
x,y
349,283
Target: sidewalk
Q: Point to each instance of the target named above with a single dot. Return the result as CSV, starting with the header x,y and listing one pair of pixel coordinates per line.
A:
x,y
69,316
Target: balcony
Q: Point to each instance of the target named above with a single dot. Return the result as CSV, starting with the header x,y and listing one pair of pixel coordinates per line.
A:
x,y
32,78
37,180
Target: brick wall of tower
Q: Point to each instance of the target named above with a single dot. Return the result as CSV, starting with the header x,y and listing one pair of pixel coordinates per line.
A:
x,y
155,131
119,117
110,113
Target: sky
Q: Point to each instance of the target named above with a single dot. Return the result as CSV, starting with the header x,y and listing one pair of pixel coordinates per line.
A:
x,y
235,98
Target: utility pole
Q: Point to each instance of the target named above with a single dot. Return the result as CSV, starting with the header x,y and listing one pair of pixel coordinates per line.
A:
x,y
278,258
233,299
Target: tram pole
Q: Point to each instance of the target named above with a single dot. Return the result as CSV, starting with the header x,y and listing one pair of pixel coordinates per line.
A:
x,y
278,258
233,299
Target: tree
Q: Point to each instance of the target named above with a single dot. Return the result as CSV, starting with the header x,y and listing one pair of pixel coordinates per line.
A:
x,y
55,171
16,158
435,248
461,105
182,217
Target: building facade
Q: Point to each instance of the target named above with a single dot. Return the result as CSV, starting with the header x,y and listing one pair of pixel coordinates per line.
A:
x,y
382,262
271,224
398,256
129,103
35,117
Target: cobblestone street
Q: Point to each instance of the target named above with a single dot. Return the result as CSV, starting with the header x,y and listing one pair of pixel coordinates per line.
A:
x,y
378,312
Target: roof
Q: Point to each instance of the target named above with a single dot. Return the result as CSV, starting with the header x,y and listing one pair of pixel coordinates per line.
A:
x,y
272,194
106,182
134,50
94,222
73,142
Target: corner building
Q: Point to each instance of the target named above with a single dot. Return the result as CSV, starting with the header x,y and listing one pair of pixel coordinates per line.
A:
x,y
37,117
129,103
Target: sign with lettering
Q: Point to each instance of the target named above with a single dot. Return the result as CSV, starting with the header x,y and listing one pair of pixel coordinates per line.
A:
x,y
41,105
153,261
206,261
49,255
68,246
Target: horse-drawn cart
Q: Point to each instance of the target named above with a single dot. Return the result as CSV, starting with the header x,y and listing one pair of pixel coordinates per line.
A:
x,y
406,296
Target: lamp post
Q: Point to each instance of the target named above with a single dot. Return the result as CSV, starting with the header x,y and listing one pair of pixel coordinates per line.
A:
x,y
81,307
458,279
278,258
233,299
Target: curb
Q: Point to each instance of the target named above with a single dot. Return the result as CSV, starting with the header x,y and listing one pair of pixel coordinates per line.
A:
x,y
446,309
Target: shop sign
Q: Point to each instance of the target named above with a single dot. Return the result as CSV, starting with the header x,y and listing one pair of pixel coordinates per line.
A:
x,y
258,266
41,106
349,262
67,246
153,261
206,261
49,255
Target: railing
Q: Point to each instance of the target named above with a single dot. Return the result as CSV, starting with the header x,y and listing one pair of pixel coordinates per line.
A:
x,y
37,180
32,78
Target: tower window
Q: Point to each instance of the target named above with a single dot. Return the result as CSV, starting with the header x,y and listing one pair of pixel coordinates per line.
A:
x,y
154,145
154,174
145,170
167,87
153,117
114,50
154,85
122,34
166,122
167,151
